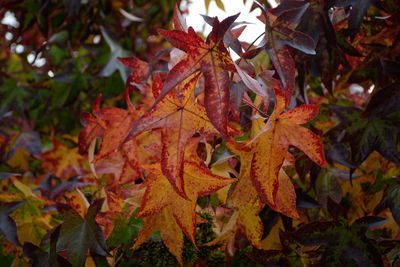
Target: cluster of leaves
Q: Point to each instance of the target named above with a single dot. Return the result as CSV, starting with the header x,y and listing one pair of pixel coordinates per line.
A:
x,y
272,159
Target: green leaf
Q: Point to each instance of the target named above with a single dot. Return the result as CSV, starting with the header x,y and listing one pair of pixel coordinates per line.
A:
x,y
327,186
12,96
79,235
124,231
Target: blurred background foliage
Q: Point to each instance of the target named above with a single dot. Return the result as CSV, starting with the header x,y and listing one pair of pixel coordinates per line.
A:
x,y
57,56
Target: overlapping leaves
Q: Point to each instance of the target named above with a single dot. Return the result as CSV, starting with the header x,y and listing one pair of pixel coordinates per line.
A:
x,y
213,60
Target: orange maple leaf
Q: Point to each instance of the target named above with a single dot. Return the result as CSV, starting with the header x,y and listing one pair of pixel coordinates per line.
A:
x,y
62,161
246,221
199,181
94,127
118,125
213,60
111,124
271,147
245,192
170,231
179,117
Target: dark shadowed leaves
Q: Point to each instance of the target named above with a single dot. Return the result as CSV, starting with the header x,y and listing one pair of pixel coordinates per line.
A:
x,y
40,257
392,68
391,200
5,175
52,187
384,102
279,34
229,38
29,140
78,235
326,187
73,7
7,225
371,221
117,51
357,12
305,201
339,153
326,61
364,135
341,243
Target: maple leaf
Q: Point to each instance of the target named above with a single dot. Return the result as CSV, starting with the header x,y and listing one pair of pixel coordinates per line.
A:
x,y
246,221
94,127
78,235
118,126
179,20
164,210
244,191
118,165
61,160
276,37
390,200
384,102
213,60
111,124
366,134
170,231
199,181
272,142
179,117
160,198
231,35
124,231
327,59
141,71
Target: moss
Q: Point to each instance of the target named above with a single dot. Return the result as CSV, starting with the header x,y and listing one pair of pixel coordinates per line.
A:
x,y
217,259
189,253
157,255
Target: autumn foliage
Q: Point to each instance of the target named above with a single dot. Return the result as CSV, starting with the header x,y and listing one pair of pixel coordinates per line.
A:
x,y
202,160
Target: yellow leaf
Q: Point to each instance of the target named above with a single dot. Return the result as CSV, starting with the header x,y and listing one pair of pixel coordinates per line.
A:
x,y
250,223
272,241
171,234
220,4
207,4
78,201
26,190
90,262
20,160
62,161
271,145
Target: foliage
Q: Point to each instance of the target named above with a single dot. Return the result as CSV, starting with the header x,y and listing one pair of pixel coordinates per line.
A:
x,y
287,156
